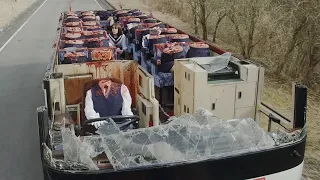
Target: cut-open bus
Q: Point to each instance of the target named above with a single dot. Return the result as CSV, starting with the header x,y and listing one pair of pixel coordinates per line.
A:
x,y
65,85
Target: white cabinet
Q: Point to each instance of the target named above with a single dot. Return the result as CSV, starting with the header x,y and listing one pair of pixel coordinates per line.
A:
x,y
226,99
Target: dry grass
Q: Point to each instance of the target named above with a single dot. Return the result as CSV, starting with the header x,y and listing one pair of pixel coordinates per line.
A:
x,y
10,9
277,92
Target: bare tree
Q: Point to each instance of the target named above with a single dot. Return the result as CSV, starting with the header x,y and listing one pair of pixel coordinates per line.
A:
x,y
248,24
301,20
220,17
193,4
201,11
220,11
310,48
205,10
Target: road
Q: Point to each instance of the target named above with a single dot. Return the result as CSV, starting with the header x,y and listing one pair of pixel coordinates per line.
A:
x,y
23,60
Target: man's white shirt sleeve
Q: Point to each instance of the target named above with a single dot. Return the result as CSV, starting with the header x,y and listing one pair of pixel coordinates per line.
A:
x,y
127,101
89,110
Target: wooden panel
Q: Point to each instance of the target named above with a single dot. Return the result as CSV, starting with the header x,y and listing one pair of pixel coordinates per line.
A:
x,y
74,111
187,103
247,112
145,83
145,111
187,80
245,95
74,89
177,102
222,99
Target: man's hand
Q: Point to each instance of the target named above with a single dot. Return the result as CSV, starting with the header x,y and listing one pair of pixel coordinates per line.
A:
x,y
98,124
119,51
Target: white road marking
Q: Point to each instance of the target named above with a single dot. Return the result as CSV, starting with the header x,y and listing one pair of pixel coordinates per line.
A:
x,y
99,4
9,40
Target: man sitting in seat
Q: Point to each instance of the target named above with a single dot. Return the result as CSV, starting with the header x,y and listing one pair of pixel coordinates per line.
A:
x,y
107,98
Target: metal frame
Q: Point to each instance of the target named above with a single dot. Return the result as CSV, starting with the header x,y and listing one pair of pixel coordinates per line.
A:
x,y
299,96
300,105
71,108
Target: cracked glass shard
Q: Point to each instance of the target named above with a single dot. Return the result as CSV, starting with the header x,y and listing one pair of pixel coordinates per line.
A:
x,y
282,137
188,138
217,63
47,153
77,151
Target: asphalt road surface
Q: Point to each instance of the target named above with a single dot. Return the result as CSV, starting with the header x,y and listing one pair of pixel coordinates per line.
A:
x,y
24,55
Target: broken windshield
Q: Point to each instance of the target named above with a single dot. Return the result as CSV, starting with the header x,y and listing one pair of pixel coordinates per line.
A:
x,y
186,139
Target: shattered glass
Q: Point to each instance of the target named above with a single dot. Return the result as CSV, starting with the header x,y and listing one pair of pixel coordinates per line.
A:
x,y
217,63
70,165
185,139
78,151
282,137
47,153
189,138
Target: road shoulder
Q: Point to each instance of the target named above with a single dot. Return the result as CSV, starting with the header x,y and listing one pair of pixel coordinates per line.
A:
x,y
17,22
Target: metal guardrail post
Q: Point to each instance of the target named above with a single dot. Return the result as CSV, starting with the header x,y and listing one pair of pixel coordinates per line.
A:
x,y
43,124
259,92
300,106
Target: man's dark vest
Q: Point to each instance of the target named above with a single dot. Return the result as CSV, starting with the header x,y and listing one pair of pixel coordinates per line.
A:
x,y
110,106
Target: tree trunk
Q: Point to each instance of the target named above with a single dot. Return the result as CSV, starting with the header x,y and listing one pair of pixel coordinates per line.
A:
x,y
203,19
204,31
242,43
252,26
195,23
214,34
